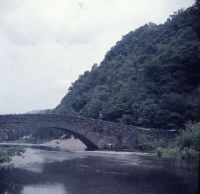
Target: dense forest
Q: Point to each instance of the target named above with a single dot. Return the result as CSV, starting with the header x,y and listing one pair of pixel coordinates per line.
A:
x,y
150,78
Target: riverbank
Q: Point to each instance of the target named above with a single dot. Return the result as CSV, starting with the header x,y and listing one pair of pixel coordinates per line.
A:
x,y
74,145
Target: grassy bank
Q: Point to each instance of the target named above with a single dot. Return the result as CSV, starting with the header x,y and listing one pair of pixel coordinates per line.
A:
x,y
185,146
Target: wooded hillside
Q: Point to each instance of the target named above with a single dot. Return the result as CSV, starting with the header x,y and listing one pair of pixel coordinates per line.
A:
x,y
150,78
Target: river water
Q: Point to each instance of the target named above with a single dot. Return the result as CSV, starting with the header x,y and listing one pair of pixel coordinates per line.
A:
x,y
43,171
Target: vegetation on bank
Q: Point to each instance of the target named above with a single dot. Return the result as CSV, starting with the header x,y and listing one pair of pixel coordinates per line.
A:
x,y
7,153
150,78
185,146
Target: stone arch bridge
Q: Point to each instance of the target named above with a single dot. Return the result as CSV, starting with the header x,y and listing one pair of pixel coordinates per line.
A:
x,y
95,134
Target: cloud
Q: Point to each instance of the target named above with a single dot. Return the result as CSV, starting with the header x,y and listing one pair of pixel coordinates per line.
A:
x,y
45,45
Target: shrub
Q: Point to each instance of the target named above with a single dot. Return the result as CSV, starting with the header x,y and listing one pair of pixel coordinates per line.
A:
x,y
143,143
4,157
185,146
167,152
6,154
147,144
190,137
188,153
159,151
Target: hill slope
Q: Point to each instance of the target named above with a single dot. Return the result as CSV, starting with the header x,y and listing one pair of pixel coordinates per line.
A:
x,y
150,78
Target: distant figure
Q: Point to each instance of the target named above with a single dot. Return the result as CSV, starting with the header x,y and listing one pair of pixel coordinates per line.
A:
x,y
100,116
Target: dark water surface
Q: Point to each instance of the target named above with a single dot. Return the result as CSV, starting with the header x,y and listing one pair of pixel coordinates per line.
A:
x,y
98,173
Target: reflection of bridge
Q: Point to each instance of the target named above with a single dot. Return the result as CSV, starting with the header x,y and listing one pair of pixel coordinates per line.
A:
x,y
95,134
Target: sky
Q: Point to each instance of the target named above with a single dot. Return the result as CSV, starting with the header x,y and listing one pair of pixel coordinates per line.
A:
x,y
46,44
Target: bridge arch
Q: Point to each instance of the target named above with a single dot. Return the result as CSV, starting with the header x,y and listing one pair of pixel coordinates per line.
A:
x,y
89,144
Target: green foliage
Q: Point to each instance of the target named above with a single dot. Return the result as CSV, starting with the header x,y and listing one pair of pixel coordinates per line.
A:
x,y
7,153
190,137
15,151
189,153
4,157
150,78
174,152
186,145
169,152
144,143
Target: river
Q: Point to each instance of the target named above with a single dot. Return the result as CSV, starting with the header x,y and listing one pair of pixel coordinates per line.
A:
x,y
47,171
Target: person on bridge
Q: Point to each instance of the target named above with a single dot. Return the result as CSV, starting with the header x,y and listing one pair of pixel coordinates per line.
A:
x,y
100,116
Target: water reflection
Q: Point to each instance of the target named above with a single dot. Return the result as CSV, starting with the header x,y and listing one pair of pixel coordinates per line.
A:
x,y
44,189
92,173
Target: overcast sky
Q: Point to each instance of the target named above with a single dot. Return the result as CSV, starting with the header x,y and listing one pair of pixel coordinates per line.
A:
x,y
46,44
